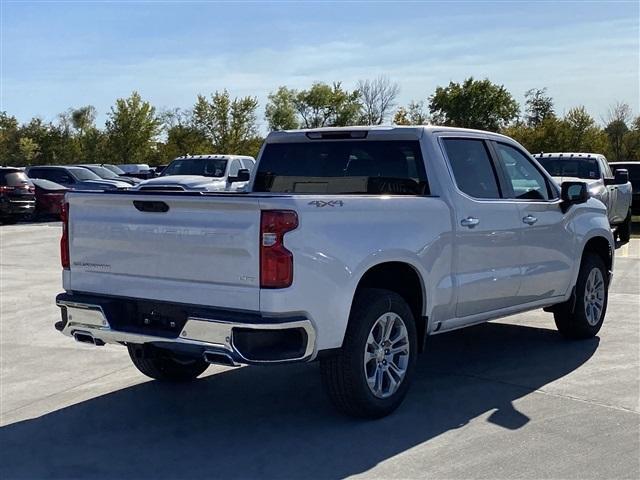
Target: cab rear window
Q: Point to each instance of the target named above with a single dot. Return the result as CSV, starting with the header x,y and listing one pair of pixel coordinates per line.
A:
x,y
343,167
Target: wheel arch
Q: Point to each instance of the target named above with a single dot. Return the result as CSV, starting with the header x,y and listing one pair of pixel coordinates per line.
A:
x,y
602,247
404,279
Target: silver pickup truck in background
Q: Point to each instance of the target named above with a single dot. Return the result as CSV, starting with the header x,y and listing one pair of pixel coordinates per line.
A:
x,y
614,190
350,246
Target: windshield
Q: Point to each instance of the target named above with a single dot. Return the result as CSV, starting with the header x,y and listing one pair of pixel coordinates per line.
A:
x,y
208,167
571,167
83,174
103,172
114,169
343,167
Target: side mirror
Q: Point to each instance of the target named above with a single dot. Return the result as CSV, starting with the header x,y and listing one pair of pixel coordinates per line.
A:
x,y
621,176
573,193
243,176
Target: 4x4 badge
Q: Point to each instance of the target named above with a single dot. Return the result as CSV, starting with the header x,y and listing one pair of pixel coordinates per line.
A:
x,y
330,203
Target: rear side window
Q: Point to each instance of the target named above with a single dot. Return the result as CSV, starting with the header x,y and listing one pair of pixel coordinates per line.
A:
x,y
472,167
40,173
343,167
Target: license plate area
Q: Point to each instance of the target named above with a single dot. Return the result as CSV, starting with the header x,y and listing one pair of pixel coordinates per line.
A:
x,y
149,318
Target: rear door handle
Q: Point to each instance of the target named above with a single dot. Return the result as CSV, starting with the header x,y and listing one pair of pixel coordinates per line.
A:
x,y
529,219
469,222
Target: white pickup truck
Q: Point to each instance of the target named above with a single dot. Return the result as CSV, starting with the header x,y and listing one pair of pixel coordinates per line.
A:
x,y
351,246
614,190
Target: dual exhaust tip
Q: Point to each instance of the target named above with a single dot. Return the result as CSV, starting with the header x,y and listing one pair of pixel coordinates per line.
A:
x,y
210,356
84,337
219,358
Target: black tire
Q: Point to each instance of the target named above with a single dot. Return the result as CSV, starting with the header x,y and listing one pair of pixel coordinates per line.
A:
x,y
162,365
624,230
573,322
343,374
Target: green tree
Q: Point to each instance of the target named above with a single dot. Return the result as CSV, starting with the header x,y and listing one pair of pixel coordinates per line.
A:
x,y
132,127
230,125
538,106
413,114
280,111
9,139
473,104
29,151
326,105
580,133
631,141
616,129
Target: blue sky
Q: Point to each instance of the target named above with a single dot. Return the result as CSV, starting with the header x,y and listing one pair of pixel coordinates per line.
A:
x,y
56,55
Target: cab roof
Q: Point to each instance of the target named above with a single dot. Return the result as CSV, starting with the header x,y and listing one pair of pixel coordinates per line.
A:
x,y
395,132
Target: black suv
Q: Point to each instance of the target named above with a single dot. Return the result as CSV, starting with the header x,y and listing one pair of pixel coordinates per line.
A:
x,y
17,195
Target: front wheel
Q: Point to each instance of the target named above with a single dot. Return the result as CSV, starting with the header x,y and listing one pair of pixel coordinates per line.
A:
x,y
370,375
163,365
587,316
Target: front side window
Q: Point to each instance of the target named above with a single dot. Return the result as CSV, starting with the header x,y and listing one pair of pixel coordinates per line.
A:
x,y
472,167
526,180
234,168
387,167
606,169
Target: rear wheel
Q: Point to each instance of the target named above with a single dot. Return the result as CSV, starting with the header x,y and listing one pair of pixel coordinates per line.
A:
x,y
371,374
163,365
587,315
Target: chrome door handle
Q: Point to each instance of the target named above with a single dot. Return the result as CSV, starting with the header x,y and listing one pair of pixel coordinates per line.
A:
x,y
529,219
469,222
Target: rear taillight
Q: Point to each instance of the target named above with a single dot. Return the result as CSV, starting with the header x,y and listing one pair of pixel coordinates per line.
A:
x,y
64,240
276,262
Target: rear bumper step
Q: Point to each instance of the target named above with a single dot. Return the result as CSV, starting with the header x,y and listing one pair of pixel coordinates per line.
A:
x,y
221,339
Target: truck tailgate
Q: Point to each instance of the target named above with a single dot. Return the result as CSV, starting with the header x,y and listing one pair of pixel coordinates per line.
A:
x,y
203,250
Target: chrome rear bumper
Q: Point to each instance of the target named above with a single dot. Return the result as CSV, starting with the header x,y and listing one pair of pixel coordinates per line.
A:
x,y
88,323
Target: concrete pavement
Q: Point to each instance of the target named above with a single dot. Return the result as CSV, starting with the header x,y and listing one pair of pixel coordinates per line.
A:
x,y
507,399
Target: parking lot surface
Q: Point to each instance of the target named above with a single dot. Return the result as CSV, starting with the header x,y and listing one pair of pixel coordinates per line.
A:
x,y
507,399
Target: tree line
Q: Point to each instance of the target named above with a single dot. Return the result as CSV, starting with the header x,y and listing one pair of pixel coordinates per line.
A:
x,y
136,132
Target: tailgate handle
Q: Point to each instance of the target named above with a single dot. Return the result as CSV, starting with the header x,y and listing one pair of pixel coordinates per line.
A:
x,y
151,206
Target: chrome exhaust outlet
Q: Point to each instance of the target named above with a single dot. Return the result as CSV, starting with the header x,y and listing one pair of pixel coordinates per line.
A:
x,y
219,358
84,337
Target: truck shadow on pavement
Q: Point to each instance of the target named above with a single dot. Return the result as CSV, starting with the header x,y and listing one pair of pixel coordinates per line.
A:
x,y
276,422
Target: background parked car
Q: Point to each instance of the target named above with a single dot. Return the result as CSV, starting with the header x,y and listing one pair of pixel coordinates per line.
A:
x,y
209,173
138,170
49,197
612,190
75,178
117,170
634,177
107,174
17,195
